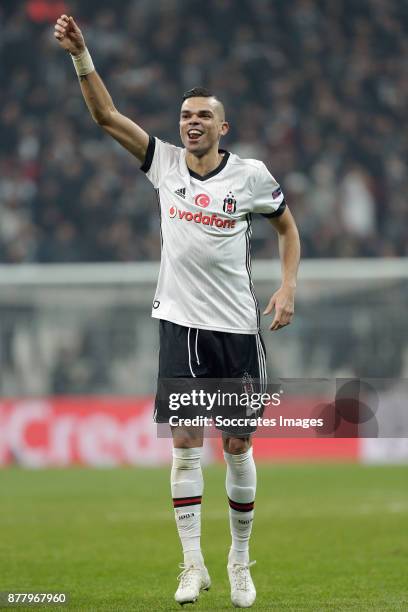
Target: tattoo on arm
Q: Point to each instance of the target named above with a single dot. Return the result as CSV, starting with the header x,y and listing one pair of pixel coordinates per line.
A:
x,y
84,77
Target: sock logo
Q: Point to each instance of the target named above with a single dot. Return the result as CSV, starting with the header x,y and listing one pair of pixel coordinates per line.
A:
x,y
246,522
185,516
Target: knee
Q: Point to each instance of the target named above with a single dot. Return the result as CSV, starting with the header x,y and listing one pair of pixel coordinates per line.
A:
x,y
186,438
236,446
184,441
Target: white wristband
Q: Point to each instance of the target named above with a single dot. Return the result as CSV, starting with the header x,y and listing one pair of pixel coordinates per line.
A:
x,y
83,63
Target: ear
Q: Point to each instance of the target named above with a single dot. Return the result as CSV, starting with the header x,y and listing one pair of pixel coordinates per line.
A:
x,y
224,128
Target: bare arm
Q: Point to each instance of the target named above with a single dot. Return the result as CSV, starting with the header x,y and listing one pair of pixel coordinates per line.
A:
x,y
289,249
103,111
99,102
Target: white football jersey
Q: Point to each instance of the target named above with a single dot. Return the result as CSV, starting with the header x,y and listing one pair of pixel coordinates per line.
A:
x,y
205,272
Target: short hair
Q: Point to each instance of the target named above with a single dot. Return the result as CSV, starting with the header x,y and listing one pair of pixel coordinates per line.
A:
x,y
198,92
203,92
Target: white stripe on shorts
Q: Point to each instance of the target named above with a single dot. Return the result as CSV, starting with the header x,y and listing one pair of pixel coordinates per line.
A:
x,y
261,364
189,353
198,361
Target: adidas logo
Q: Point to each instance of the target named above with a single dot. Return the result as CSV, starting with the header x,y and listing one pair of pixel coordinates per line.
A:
x,y
181,192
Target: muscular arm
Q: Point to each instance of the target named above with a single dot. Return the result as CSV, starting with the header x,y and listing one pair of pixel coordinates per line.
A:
x,y
97,97
283,300
289,247
103,111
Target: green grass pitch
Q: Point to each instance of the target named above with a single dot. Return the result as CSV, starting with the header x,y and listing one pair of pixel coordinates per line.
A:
x,y
326,537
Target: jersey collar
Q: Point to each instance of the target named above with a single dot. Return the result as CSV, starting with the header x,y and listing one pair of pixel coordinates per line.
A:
x,y
216,170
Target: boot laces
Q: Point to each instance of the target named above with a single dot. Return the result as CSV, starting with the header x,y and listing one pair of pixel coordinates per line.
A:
x,y
242,576
187,575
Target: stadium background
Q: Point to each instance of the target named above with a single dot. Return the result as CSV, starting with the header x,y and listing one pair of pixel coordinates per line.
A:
x,y
319,91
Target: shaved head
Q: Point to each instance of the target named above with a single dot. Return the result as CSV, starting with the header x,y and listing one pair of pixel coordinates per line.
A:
x,y
202,92
219,108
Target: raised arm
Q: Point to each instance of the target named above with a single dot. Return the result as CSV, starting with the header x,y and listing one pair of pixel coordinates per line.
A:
x,y
96,96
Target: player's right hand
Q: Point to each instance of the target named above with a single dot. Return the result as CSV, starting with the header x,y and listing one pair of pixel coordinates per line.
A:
x,y
69,35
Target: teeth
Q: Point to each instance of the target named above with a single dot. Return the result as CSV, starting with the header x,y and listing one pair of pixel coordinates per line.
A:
x,y
194,133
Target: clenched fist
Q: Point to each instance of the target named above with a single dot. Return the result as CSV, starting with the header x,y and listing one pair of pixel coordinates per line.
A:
x,y
69,35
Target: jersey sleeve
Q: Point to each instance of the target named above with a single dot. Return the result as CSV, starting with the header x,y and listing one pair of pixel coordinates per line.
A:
x,y
268,198
160,158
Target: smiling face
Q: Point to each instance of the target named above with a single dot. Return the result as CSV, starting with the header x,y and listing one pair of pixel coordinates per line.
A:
x,y
202,123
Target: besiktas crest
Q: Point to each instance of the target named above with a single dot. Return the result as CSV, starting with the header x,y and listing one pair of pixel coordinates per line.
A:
x,y
230,203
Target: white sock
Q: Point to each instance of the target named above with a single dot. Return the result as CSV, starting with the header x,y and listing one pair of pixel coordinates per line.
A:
x,y
241,487
187,490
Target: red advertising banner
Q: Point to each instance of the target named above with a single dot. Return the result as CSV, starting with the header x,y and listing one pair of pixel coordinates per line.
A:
x,y
95,431
111,431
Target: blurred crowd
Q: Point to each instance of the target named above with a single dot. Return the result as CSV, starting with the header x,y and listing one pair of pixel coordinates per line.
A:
x,y
316,89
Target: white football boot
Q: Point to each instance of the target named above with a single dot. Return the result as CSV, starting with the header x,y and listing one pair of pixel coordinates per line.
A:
x,y
193,579
243,593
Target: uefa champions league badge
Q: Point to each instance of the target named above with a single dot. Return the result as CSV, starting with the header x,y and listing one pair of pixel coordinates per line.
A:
x,y
276,193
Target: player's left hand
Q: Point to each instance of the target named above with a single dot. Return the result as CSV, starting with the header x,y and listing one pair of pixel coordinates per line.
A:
x,y
283,301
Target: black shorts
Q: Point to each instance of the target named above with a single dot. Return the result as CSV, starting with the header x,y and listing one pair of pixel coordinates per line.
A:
x,y
189,353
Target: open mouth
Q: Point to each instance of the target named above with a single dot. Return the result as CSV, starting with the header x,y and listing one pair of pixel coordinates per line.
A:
x,y
194,134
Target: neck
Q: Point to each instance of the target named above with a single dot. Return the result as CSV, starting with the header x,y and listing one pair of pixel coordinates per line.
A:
x,y
206,163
